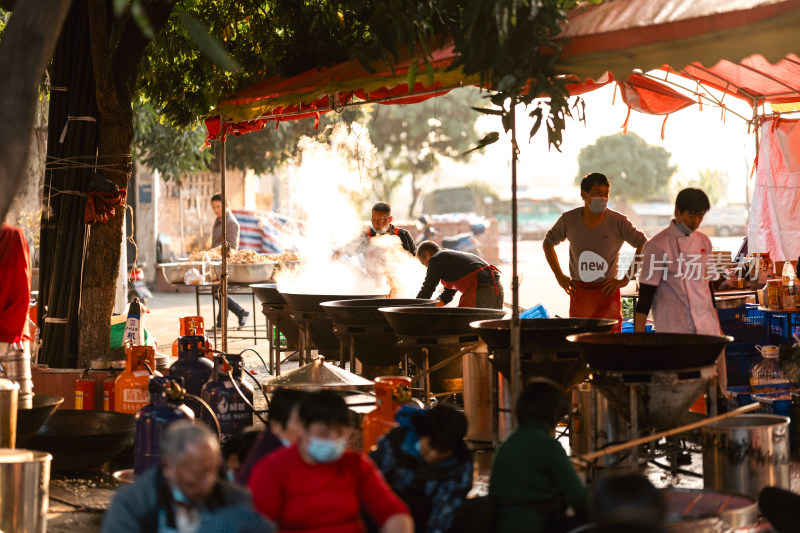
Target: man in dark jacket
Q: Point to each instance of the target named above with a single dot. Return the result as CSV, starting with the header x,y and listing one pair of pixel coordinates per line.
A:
x,y
477,280
184,492
426,462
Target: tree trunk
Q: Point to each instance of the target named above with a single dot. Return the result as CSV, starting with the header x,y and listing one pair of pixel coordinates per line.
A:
x,y
32,28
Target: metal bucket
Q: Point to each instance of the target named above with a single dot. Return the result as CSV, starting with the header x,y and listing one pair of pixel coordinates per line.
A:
x,y
746,453
16,363
478,398
8,414
595,424
24,486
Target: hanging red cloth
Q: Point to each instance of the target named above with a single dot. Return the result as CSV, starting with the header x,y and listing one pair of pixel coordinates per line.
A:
x,y
15,284
100,205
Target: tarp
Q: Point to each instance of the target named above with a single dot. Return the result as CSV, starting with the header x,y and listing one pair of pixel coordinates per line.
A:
x,y
775,214
729,45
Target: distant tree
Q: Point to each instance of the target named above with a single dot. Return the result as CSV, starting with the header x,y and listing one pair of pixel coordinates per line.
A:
x,y
637,170
410,140
713,182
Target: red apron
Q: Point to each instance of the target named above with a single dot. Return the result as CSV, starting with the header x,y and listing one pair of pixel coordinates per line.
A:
x,y
468,286
588,301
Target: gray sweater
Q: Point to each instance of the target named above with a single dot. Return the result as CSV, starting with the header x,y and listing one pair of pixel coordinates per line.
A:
x,y
232,231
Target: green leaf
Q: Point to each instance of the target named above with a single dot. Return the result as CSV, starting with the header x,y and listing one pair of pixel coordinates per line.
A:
x,y
412,74
208,44
119,7
537,114
490,138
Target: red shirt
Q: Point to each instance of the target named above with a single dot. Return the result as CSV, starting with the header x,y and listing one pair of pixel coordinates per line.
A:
x,y
15,284
324,497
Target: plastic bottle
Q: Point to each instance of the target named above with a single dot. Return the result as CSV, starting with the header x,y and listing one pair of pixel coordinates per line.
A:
x,y
767,375
789,286
207,268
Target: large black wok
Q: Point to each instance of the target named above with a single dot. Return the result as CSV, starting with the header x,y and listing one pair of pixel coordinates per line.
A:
x,y
649,352
30,420
268,293
436,321
306,308
364,312
374,341
544,346
80,440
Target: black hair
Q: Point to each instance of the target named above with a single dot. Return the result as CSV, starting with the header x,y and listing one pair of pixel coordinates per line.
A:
x,y
324,406
216,198
283,403
542,400
240,444
692,200
444,425
627,498
427,247
592,179
383,207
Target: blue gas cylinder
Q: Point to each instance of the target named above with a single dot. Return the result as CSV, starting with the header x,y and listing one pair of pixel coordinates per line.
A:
x,y
153,419
232,412
193,367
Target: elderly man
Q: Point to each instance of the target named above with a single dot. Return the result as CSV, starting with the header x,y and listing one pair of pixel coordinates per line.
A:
x,y
184,493
232,238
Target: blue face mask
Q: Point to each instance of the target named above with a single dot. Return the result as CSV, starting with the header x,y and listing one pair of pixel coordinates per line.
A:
x,y
598,204
325,450
286,442
684,228
179,496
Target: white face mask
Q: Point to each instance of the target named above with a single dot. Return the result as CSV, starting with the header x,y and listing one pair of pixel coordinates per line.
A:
x,y
326,450
598,204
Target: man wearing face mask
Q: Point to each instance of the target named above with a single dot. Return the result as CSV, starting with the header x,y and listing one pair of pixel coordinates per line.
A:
x,y
595,235
184,493
675,280
318,485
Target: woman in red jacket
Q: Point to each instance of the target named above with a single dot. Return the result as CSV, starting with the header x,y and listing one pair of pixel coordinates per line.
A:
x,y
317,485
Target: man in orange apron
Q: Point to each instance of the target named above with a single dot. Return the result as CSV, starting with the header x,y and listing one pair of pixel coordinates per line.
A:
x,y
595,235
476,280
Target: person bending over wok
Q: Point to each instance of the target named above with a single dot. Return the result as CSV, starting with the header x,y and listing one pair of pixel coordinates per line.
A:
x,y
476,280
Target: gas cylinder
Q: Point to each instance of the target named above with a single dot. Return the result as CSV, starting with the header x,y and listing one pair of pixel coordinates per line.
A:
x,y
84,392
108,390
391,392
231,410
192,367
165,407
191,325
130,389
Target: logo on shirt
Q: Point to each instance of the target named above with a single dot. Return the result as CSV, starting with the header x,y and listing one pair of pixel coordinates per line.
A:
x,y
591,267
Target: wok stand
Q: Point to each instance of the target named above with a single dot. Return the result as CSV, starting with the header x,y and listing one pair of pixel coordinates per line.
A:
x,y
274,332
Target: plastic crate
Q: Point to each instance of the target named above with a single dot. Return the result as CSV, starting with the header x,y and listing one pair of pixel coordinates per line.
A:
x,y
745,324
778,330
739,362
537,311
627,326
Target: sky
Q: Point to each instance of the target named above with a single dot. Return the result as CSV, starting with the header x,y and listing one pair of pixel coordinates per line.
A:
x,y
697,140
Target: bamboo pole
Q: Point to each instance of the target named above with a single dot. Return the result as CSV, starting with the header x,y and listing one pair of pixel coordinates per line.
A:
x,y
588,457
514,329
223,299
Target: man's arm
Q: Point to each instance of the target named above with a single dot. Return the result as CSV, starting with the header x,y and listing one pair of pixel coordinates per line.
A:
x,y
232,231
611,285
643,305
432,279
407,241
563,280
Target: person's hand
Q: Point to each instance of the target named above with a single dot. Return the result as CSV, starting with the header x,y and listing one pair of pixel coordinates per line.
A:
x,y
566,283
610,286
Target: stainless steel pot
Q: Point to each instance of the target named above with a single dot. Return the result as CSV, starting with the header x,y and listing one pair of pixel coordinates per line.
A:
x,y
746,453
24,485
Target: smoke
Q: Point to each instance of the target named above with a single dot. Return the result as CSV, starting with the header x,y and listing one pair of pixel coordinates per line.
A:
x,y
329,182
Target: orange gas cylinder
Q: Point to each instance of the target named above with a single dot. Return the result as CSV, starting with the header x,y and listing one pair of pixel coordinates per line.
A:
x,y
130,388
84,392
192,325
391,392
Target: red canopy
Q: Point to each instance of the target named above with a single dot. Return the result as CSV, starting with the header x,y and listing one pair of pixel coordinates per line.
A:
x,y
602,42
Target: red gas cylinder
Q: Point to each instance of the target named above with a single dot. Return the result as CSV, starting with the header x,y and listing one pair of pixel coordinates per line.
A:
x,y
192,325
84,392
391,392
108,391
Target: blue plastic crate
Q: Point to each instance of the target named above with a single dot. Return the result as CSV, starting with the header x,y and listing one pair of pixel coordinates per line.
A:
x,y
779,331
627,326
537,311
745,324
739,363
